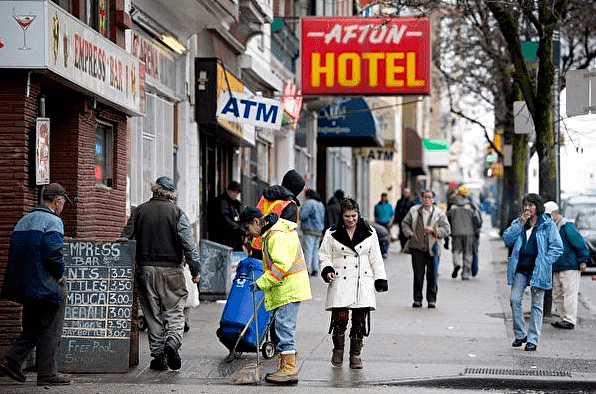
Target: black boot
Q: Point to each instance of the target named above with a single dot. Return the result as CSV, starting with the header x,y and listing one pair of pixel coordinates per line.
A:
x,y
338,350
355,349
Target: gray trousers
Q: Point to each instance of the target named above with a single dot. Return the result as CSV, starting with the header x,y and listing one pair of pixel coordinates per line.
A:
x,y
163,298
42,324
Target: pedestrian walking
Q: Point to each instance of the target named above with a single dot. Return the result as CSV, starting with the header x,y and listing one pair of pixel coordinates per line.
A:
x,y
402,207
351,263
333,209
567,269
312,223
223,218
464,218
383,215
477,230
425,225
285,283
164,239
536,246
34,277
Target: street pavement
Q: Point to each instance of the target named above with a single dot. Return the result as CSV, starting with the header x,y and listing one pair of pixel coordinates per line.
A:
x,y
465,343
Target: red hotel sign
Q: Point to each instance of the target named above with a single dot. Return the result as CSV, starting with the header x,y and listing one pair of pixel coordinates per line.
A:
x,y
365,56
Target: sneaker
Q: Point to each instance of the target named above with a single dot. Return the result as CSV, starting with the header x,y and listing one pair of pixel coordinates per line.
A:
x,y
12,370
159,363
519,342
417,304
60,379
563,324
455,271
171,352
530,347
432,304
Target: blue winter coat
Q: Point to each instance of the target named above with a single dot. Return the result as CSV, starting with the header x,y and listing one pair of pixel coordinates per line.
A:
x,y
550,247
35,261
574,246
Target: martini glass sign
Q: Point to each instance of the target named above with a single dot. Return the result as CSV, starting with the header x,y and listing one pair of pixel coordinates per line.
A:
x,y
24,20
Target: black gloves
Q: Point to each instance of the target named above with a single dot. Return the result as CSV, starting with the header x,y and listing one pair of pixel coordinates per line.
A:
x,y
381,285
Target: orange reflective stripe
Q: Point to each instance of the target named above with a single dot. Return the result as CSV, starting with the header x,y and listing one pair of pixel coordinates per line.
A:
x,y
298,265
276,206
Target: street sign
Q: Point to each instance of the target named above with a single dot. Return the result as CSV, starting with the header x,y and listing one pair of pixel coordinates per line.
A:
x,y
579,99
523,122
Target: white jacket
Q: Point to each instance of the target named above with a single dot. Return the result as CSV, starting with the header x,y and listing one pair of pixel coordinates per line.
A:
x,y
356,269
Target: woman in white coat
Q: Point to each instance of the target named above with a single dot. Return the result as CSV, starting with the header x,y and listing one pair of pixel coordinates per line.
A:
x,y
350,261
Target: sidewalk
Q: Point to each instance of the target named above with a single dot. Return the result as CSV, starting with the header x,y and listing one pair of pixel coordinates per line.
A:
x,y
465,342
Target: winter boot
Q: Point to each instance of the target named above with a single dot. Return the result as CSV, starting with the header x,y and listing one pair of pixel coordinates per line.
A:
x,y
287,373
338,350
355,348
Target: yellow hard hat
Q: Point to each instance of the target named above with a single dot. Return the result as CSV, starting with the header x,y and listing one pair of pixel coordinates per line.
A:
x,y
463,190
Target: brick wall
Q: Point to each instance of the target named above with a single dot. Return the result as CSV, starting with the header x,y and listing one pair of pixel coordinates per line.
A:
x,y
99,211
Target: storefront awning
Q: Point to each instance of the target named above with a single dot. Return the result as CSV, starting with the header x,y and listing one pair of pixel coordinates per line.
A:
x,y
348,122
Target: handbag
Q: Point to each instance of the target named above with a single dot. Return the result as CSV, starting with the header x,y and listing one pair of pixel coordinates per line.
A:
x,y
192,301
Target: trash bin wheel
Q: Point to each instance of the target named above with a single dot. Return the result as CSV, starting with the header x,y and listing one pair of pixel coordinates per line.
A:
x,y
268,350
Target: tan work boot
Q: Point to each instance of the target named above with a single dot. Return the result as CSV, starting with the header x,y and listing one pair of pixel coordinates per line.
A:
x,y
287,373
337,359
355,348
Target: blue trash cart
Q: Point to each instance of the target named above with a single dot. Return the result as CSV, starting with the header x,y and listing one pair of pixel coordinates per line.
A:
x,y
238,325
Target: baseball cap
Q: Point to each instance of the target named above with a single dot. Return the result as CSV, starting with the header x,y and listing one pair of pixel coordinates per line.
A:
x,y
166,182
551,206
248,214
54,190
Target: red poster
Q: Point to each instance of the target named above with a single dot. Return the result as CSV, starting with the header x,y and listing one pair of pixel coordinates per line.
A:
x,y
365,56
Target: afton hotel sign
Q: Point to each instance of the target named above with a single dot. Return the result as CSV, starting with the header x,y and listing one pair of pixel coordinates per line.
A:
x,y
365,56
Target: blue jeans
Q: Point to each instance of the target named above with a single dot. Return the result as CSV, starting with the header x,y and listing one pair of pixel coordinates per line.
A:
x,y
285,318
311,252
475,257
520,282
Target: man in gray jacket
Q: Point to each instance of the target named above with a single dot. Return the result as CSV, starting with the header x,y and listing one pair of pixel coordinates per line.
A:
x,y
463,217
164,239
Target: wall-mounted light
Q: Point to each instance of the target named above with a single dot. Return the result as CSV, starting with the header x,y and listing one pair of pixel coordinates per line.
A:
x,y
153,28
173,43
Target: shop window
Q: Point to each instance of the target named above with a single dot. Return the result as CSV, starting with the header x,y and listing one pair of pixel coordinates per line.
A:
x,y
96,15
104,154
152,147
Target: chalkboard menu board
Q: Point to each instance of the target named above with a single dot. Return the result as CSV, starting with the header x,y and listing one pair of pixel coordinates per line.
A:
x,y
98,316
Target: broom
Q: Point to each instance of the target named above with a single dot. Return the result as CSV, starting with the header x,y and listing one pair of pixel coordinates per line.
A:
x,y
251,374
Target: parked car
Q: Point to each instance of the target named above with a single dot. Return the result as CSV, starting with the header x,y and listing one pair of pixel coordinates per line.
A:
x,y
573,206
586,225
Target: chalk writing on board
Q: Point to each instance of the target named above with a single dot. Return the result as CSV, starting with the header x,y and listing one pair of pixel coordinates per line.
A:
x,y
98,313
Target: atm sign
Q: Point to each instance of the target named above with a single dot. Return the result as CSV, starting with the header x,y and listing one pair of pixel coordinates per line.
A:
x,y
365,56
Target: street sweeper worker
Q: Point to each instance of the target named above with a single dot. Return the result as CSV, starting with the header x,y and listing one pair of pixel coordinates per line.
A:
x,y
285,282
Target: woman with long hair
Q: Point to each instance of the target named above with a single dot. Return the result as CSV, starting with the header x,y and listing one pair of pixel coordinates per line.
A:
x,y
350,262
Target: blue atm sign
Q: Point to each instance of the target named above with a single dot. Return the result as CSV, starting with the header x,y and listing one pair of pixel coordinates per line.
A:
x,y
253,110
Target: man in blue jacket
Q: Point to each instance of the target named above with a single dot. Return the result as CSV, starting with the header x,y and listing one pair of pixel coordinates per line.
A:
x,y
383,215
34,277
567,269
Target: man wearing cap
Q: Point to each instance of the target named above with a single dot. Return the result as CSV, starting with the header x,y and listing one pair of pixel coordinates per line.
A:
x,y
223,223
285,283
35,278
164,240
463,216
567,269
